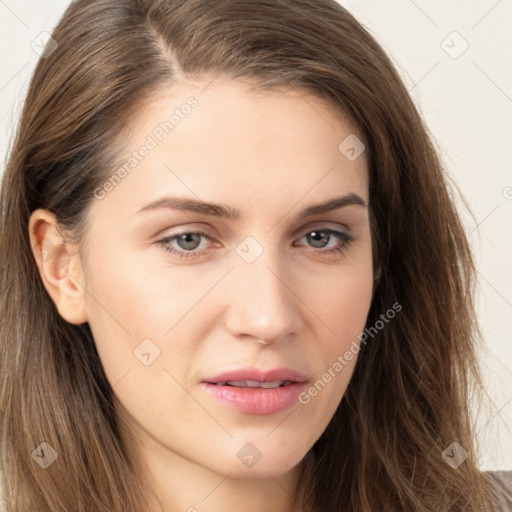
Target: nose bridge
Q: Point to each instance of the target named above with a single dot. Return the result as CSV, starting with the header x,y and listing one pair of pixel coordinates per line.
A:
x,y
262,304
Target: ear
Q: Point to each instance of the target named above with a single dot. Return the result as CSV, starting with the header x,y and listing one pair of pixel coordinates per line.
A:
x,y
59,266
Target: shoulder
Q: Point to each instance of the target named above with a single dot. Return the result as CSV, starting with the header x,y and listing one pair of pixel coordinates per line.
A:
x,y
502,482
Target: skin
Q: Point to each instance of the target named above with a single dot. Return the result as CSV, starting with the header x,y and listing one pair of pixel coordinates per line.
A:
x,y
268,154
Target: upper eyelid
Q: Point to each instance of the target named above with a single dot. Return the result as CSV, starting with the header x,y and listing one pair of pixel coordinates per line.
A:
x,y
318,225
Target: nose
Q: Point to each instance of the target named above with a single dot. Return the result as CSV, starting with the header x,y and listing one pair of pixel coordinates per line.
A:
x,y
264,302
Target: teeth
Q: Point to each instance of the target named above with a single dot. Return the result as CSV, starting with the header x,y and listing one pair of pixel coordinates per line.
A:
x,y
274,384
253,384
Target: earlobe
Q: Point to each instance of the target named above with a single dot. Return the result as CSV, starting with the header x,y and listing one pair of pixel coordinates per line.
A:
x,y
59,266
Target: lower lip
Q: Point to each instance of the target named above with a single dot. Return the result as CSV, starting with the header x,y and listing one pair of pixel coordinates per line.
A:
x,y
256,400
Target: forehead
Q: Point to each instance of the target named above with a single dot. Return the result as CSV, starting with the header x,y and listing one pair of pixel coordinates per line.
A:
x,y
233,116
226,142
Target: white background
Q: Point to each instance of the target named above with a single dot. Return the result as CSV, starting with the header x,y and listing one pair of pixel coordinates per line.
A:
x,y
467,104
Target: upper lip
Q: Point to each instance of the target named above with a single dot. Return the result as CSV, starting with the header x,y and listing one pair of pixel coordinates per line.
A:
x,y
285,374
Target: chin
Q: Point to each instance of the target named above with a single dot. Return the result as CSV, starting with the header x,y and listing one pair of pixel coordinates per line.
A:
x,y
260,457
264,470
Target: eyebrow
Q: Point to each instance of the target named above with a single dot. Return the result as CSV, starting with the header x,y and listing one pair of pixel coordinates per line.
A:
x,y
227,212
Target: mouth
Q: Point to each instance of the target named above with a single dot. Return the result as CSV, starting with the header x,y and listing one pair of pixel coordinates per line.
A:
x,y
252,391
254,377
254,383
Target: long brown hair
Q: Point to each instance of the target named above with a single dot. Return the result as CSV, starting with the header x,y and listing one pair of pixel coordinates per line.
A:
x,y
408,398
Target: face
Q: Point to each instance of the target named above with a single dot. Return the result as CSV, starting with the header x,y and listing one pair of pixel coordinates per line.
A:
x,y
199,315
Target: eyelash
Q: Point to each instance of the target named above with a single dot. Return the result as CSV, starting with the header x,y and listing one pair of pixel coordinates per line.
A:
x,y
344,237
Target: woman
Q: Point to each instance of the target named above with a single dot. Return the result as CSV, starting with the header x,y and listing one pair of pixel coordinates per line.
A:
x,y
173,338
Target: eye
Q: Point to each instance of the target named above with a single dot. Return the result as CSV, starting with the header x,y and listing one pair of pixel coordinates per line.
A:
x,y
320,237
188,241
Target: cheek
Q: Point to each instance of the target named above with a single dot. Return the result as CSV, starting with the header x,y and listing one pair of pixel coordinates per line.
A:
x,y
142,324
128,295
342,302
122,310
